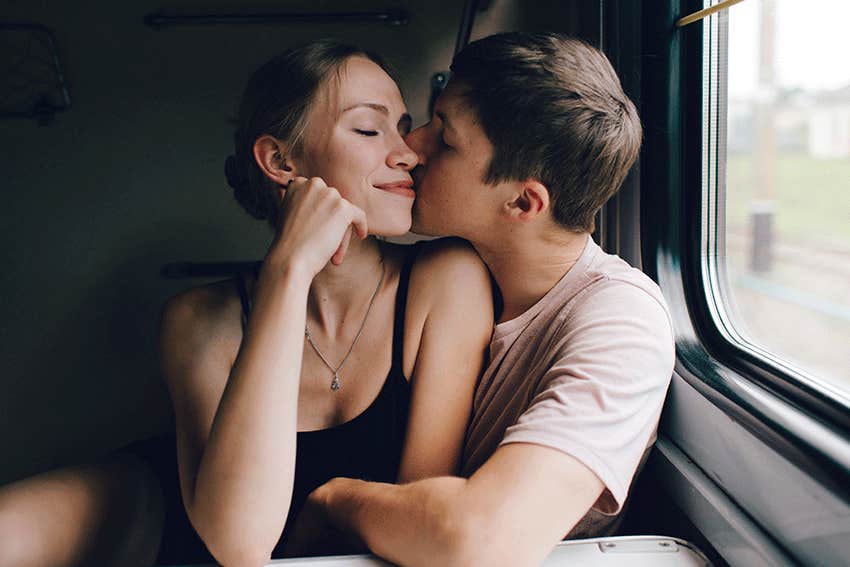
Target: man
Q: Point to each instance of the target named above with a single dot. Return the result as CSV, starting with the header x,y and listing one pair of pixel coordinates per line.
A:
x,y
532,135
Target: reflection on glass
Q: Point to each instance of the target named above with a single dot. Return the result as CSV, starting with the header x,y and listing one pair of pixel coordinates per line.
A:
x,y
787,192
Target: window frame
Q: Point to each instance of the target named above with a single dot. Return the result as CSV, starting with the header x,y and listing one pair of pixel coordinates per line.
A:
x,y
799,419
716,284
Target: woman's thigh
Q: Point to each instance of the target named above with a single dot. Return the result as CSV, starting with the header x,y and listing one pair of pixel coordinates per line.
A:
x,y
109,513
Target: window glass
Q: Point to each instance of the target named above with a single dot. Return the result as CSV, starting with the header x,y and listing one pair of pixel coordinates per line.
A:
x,y
776,190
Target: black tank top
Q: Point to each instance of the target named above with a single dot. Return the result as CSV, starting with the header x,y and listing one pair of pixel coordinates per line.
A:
x,y
368,446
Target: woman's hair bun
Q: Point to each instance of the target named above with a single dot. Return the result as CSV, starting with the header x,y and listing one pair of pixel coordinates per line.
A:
x,y
237,178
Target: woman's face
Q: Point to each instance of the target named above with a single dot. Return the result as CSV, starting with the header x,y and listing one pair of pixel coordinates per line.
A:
x,y
354,142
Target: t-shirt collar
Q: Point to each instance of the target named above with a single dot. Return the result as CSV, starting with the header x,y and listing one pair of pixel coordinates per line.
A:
x,y
571,279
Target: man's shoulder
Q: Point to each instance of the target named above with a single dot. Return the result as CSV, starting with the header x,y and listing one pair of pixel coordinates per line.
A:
x,y
613,301
614,268
614,284
600,273
603,290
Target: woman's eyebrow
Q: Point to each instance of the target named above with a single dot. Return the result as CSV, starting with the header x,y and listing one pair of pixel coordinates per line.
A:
x,y
373,105
405,118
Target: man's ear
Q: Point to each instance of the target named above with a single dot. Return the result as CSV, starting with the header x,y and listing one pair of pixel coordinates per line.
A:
x,y
274,159
530,199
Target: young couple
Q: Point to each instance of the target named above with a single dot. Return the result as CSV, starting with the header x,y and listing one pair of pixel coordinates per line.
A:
x,y
356,387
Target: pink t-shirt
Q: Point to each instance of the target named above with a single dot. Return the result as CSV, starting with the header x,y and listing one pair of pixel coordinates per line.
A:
x,y
585,371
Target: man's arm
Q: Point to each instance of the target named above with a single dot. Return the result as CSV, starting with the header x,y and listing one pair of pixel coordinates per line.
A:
x,y
512,511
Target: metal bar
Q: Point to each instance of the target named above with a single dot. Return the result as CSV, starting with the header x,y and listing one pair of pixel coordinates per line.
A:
x,y
697,16
466,21
179,270
63,88
389,16
24,26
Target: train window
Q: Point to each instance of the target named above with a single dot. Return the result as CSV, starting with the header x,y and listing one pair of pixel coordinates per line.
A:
x,y
776,184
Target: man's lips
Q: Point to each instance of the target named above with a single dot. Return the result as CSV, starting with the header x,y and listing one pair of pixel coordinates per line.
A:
x,y
404,188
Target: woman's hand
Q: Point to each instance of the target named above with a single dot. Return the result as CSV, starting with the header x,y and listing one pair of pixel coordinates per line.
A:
x,y
314,534
315,226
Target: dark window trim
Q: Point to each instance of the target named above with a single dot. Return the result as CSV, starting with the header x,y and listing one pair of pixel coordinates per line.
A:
x,y
763,398
618,224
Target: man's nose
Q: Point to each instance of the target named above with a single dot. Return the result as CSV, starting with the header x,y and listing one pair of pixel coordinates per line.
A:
x,y
416,141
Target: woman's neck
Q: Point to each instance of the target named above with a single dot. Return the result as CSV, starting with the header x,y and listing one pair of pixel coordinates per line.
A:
x,y
341,292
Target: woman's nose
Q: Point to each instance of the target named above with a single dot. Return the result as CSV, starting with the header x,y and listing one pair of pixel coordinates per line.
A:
x,y
403,156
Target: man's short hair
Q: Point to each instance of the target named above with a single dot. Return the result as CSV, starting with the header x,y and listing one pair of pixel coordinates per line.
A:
x,y
554,110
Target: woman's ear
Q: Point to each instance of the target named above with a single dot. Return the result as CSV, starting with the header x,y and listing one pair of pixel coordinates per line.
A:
x,y
530,200
272,156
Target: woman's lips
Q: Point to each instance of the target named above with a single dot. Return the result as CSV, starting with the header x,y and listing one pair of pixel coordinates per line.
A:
x,y
404,189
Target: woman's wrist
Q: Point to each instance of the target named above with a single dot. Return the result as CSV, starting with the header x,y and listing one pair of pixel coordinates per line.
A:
x,y
287,272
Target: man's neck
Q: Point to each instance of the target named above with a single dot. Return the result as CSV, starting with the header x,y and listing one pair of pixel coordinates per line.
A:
x,y
525,269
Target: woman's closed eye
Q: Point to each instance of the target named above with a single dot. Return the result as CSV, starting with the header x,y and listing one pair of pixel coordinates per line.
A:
x,y
363,132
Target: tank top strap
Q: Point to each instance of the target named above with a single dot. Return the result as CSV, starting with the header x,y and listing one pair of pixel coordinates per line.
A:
x,y
401,307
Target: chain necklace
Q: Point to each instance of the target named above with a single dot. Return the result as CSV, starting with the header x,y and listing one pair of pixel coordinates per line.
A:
x,y
336,384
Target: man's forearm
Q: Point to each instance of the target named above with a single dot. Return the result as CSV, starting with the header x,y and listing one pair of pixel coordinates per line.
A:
x,y
510,512
409,524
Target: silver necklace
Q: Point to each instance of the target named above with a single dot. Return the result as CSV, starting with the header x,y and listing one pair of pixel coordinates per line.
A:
x,y
336,384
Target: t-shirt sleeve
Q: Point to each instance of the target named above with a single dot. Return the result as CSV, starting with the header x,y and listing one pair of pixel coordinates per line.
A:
x,y
601,398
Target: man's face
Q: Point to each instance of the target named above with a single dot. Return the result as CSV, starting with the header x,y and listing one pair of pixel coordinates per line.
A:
x,y
454,154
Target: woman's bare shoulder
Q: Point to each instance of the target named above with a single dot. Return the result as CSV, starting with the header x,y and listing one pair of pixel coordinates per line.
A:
x,y
200,322
215,304
433,256
445,263
449,279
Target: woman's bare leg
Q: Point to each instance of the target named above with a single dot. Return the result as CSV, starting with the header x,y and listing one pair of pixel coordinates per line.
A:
x,y
108,513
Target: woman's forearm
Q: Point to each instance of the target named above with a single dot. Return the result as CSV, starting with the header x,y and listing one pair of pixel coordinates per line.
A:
x,y
244,480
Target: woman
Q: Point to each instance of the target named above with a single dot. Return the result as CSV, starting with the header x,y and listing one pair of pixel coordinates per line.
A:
x,y
338,356
304,375
107,513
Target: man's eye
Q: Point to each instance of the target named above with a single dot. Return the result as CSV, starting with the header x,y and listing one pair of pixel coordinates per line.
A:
x,y
366,132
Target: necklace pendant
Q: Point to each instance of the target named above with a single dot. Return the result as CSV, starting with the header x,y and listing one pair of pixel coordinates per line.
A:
x,y
335,384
